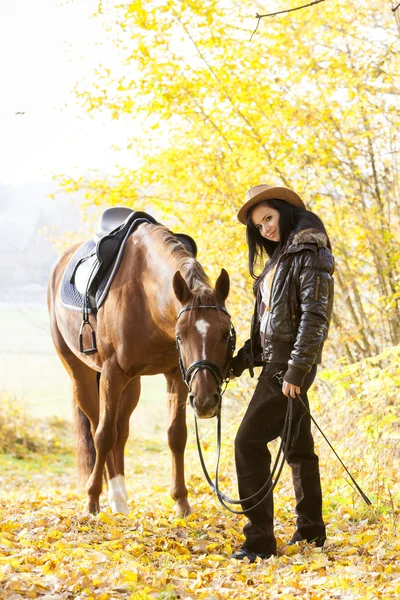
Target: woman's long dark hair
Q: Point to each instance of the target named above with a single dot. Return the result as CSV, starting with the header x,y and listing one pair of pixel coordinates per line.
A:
x,y
291,220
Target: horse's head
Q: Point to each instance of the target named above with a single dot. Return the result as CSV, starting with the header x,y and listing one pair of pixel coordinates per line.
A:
x,y
205,340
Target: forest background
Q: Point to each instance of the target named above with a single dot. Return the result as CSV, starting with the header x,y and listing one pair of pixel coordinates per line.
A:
x,y
311,101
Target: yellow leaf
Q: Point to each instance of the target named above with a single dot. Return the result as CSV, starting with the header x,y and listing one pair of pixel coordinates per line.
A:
x,y
135,549
298,568
107,519
130,576
290,550
228,549
212,546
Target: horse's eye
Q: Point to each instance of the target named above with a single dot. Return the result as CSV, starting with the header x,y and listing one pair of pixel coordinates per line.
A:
x,y
179,339
225,337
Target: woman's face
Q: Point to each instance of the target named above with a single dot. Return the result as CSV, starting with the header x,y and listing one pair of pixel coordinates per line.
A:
x,y
266,221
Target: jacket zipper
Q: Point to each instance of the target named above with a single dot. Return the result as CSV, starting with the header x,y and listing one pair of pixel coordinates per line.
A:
x,y
317,288
273,281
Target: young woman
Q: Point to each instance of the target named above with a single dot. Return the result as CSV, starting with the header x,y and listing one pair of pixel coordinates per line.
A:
x,y
294,296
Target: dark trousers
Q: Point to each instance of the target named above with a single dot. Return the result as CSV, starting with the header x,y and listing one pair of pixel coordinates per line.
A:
x,y
262,423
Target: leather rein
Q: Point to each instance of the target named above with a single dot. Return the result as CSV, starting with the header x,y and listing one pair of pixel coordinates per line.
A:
x,y
286,436
270,484
223,378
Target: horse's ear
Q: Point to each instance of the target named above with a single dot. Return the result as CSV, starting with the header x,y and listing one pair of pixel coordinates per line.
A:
x,y
181,289
222,286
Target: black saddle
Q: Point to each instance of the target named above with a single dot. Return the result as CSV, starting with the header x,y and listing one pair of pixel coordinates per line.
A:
x,y
92,268
112,219
115,220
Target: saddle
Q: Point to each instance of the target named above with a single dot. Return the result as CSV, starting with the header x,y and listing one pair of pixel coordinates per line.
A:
x,y
92,268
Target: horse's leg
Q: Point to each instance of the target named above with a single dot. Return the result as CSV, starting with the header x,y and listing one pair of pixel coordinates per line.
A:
x,y
177,435
86,401
112,382
117,493
85,386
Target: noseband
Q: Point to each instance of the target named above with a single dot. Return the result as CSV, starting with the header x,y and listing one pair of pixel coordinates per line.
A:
x,y
221,377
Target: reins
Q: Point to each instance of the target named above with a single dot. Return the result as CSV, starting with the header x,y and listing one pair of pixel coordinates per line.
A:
x,y
281,454
221,378
286,436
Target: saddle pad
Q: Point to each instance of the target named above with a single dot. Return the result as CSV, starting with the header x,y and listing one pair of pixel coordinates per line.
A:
x,y
70,297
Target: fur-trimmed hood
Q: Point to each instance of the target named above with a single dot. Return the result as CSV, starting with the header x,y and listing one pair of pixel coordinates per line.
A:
x,y
309,231
310,236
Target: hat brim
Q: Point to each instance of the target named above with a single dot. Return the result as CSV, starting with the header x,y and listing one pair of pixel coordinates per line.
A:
x,y
281,193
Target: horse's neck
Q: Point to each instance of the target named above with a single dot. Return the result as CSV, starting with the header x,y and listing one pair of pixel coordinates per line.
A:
x,y
159,293
161,267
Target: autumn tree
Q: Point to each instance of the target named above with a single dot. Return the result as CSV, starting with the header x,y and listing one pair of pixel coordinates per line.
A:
x,y
311,102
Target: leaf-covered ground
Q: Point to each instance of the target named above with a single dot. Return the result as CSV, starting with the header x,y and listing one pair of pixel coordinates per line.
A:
x,y
49,550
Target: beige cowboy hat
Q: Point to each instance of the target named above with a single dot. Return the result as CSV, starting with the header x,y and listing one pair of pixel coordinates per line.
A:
x,y
261,192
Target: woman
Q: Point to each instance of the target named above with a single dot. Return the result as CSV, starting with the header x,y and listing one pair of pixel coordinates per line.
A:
x,y
294,296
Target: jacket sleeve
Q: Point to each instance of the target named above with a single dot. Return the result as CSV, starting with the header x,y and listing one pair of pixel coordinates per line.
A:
x,y
315,293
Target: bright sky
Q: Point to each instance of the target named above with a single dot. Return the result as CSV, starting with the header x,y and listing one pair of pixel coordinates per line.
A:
x,y
46,47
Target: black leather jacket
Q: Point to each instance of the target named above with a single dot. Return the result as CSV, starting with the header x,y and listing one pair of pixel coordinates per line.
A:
x,y
300,310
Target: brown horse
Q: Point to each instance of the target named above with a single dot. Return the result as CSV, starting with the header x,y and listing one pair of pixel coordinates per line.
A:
x,y
137,330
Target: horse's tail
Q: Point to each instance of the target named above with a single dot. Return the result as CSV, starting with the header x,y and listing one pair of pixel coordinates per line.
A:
x,y
85,450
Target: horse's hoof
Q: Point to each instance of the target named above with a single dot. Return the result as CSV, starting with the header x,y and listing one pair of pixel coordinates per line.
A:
x,y
92,507
183,508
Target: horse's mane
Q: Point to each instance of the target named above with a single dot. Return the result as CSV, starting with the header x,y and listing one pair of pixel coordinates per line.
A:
x,y
190,268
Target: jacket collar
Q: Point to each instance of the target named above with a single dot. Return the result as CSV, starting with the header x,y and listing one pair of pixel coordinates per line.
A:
x,y
309,236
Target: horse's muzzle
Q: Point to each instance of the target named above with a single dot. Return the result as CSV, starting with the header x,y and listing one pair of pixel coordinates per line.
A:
x,y
205,407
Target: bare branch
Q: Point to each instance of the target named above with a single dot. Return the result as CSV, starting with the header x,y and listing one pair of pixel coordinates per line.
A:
x,y
396,13
289,10
281,12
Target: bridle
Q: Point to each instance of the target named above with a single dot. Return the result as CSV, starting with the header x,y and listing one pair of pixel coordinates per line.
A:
x,y
287,436
221,377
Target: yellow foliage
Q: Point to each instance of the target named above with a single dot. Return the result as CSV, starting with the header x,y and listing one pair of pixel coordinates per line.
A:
x,y
19,435
310,102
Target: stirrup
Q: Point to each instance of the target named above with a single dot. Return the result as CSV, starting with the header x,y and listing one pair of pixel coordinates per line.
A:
x,y
93,349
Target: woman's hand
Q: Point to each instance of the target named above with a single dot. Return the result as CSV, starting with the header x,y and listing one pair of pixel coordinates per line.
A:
x,y
289,389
